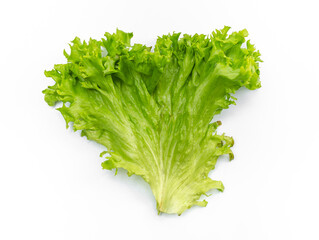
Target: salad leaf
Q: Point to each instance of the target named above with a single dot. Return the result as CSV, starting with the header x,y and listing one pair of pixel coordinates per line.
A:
x,y
153,110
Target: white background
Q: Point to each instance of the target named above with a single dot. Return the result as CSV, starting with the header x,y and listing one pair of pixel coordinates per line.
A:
x,y
51,182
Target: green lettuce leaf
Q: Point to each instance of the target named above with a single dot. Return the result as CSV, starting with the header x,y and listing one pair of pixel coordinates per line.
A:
x,y
153,110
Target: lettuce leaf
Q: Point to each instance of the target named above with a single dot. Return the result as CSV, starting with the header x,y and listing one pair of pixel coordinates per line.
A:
x,y
153,110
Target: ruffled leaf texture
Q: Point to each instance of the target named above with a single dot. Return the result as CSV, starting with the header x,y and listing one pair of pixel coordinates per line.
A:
x,y
153,110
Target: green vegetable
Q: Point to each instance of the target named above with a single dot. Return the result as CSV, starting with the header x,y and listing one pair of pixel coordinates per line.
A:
x,y
152,110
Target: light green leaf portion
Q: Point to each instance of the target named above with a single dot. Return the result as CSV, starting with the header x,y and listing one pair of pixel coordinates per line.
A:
x,y
153,110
